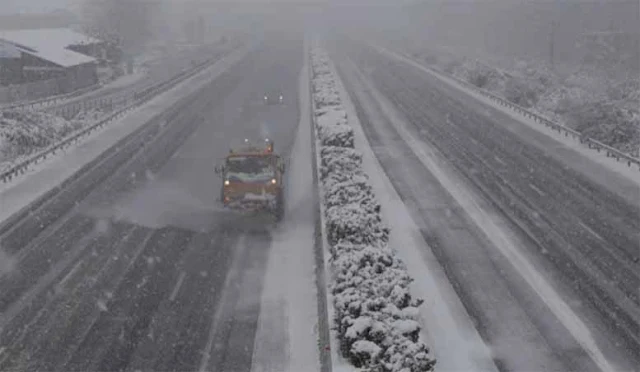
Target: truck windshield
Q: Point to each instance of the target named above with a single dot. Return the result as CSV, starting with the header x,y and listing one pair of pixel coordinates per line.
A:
x,y
250,169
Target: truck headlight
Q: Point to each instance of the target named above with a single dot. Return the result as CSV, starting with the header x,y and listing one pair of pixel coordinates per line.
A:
x,y
274,181
226,182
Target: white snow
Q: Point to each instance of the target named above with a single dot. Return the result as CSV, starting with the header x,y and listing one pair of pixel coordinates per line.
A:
x,y
288,302
620,167
455,343
367,347
492,229
50,44
359,326
8,51
62,37
405,326
48,174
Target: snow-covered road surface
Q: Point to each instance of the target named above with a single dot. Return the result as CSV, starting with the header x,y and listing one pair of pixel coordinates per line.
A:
x,y
135,266
286,339
577,236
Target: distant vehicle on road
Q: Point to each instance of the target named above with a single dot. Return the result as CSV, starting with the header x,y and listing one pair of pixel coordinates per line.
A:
x,y
252,179
274,98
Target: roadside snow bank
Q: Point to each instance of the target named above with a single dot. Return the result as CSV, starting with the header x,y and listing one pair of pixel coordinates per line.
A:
x,y
375,315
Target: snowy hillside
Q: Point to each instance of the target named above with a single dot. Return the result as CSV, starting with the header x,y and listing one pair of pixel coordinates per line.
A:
x,y
586,100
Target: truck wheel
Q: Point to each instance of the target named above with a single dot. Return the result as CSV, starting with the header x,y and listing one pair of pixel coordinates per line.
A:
x,y
279,207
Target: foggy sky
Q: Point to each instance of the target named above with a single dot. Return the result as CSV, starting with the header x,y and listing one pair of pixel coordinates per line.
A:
x,y
35,6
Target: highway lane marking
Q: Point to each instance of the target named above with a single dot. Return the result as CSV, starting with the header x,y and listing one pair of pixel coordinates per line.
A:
x,y
232,277
595,234
71,273
537,190
546,292
176,289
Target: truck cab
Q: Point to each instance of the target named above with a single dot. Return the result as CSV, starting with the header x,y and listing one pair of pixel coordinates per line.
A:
x,y
252,179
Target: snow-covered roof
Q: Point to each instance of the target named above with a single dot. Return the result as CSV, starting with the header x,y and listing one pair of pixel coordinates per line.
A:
x,y
62,37
8,51
50,44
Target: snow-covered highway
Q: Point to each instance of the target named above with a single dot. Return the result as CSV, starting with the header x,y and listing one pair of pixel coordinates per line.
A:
x,y
117,254
544,257
134,265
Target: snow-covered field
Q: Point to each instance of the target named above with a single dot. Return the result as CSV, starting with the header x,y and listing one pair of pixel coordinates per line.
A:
x,y
599,106
374,315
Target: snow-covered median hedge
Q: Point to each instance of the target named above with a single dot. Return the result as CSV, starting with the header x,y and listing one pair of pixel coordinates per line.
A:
x,y
375,315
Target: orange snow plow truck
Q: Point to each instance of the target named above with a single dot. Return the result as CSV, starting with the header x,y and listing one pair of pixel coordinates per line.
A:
x,y
252,179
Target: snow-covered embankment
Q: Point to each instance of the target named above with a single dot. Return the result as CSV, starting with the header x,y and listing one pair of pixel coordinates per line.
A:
x,y
374,314
24,132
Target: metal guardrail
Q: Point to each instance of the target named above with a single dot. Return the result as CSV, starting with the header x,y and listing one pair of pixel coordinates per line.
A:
x,y
140,98
591,143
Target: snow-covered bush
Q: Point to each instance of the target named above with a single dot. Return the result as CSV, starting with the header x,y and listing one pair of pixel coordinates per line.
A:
x,y
333,129
22,132
92,115
339,160
607,123
351,191
327,99
626,94
375,315
481,75
354,224
336,135
373,305
520,93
